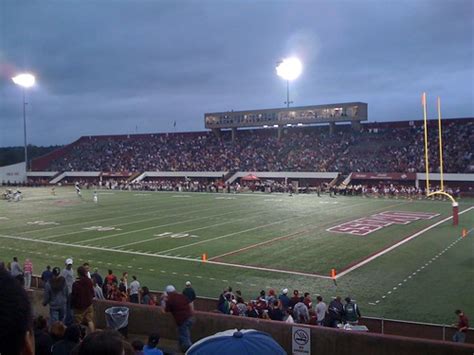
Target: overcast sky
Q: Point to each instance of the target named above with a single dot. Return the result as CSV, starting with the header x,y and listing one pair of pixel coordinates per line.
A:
x,y
108,67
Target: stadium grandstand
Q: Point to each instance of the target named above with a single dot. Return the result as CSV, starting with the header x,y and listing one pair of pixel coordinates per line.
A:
x,y
340,150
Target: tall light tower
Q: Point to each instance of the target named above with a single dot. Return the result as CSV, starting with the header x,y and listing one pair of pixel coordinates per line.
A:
x,y
289,69
26,81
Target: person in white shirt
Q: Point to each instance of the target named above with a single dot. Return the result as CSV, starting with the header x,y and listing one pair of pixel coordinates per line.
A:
x,y
134,290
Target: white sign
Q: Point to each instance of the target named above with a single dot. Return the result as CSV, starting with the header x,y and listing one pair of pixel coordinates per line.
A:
x,y
301,339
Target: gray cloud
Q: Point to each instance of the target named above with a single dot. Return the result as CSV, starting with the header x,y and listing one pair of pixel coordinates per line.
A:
x,y
108,67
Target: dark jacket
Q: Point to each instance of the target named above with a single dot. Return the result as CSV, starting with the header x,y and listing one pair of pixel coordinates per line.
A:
x,y
189,293
55,293
336,310
82,293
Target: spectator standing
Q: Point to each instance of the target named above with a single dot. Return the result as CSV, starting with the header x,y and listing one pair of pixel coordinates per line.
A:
x,y
16,334
190,294
81,299
97,277
27,273
56,295
68,275
151,347
110,278
98,294
307,300
134,290
462,327
47,274
284,299
87,267
351,312
124,280
335,312
178,305
295,299
300,313
15,268
321,309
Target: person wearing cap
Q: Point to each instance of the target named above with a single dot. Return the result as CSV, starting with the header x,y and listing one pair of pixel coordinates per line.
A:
x,y
190,294
68,275
56,295
351,311
178,305
284,299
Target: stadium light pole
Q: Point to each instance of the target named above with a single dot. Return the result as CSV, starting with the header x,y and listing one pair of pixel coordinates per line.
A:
x,y
289,69
26,81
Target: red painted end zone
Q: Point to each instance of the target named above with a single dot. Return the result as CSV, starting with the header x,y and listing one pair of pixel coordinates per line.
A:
x,y
367,225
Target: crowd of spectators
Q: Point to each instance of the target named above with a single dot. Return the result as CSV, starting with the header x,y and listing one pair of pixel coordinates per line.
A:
x,y
61,334
297,308
384,149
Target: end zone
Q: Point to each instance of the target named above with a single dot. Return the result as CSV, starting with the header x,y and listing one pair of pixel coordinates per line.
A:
x,y
374,256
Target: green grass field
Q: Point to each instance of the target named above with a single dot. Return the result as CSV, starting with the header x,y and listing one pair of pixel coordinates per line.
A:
x,y
253,242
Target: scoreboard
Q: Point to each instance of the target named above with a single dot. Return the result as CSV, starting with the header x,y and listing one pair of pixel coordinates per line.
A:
x,y
303,115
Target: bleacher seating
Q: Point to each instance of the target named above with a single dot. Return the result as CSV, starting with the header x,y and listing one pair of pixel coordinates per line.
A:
x,y
378,147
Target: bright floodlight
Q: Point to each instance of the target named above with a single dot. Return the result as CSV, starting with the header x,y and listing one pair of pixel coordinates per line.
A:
x,y
289,68
26,80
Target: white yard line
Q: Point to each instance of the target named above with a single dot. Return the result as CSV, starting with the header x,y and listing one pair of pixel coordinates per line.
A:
x,y
128,223
193,230
262,226
131,206
49,242
396,245
306,231
158,226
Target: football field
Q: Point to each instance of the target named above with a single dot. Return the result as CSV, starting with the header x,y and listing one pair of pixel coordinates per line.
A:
x,y
397,258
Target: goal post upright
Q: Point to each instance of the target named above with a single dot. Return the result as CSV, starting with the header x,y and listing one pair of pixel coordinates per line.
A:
x,y
441,167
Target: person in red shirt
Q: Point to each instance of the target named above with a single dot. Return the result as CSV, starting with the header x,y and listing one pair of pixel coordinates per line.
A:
x,y
81,299
111,278
178,305
462,326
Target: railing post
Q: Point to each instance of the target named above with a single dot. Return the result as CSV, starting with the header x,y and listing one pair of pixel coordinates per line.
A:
x,y
444,332
383,331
